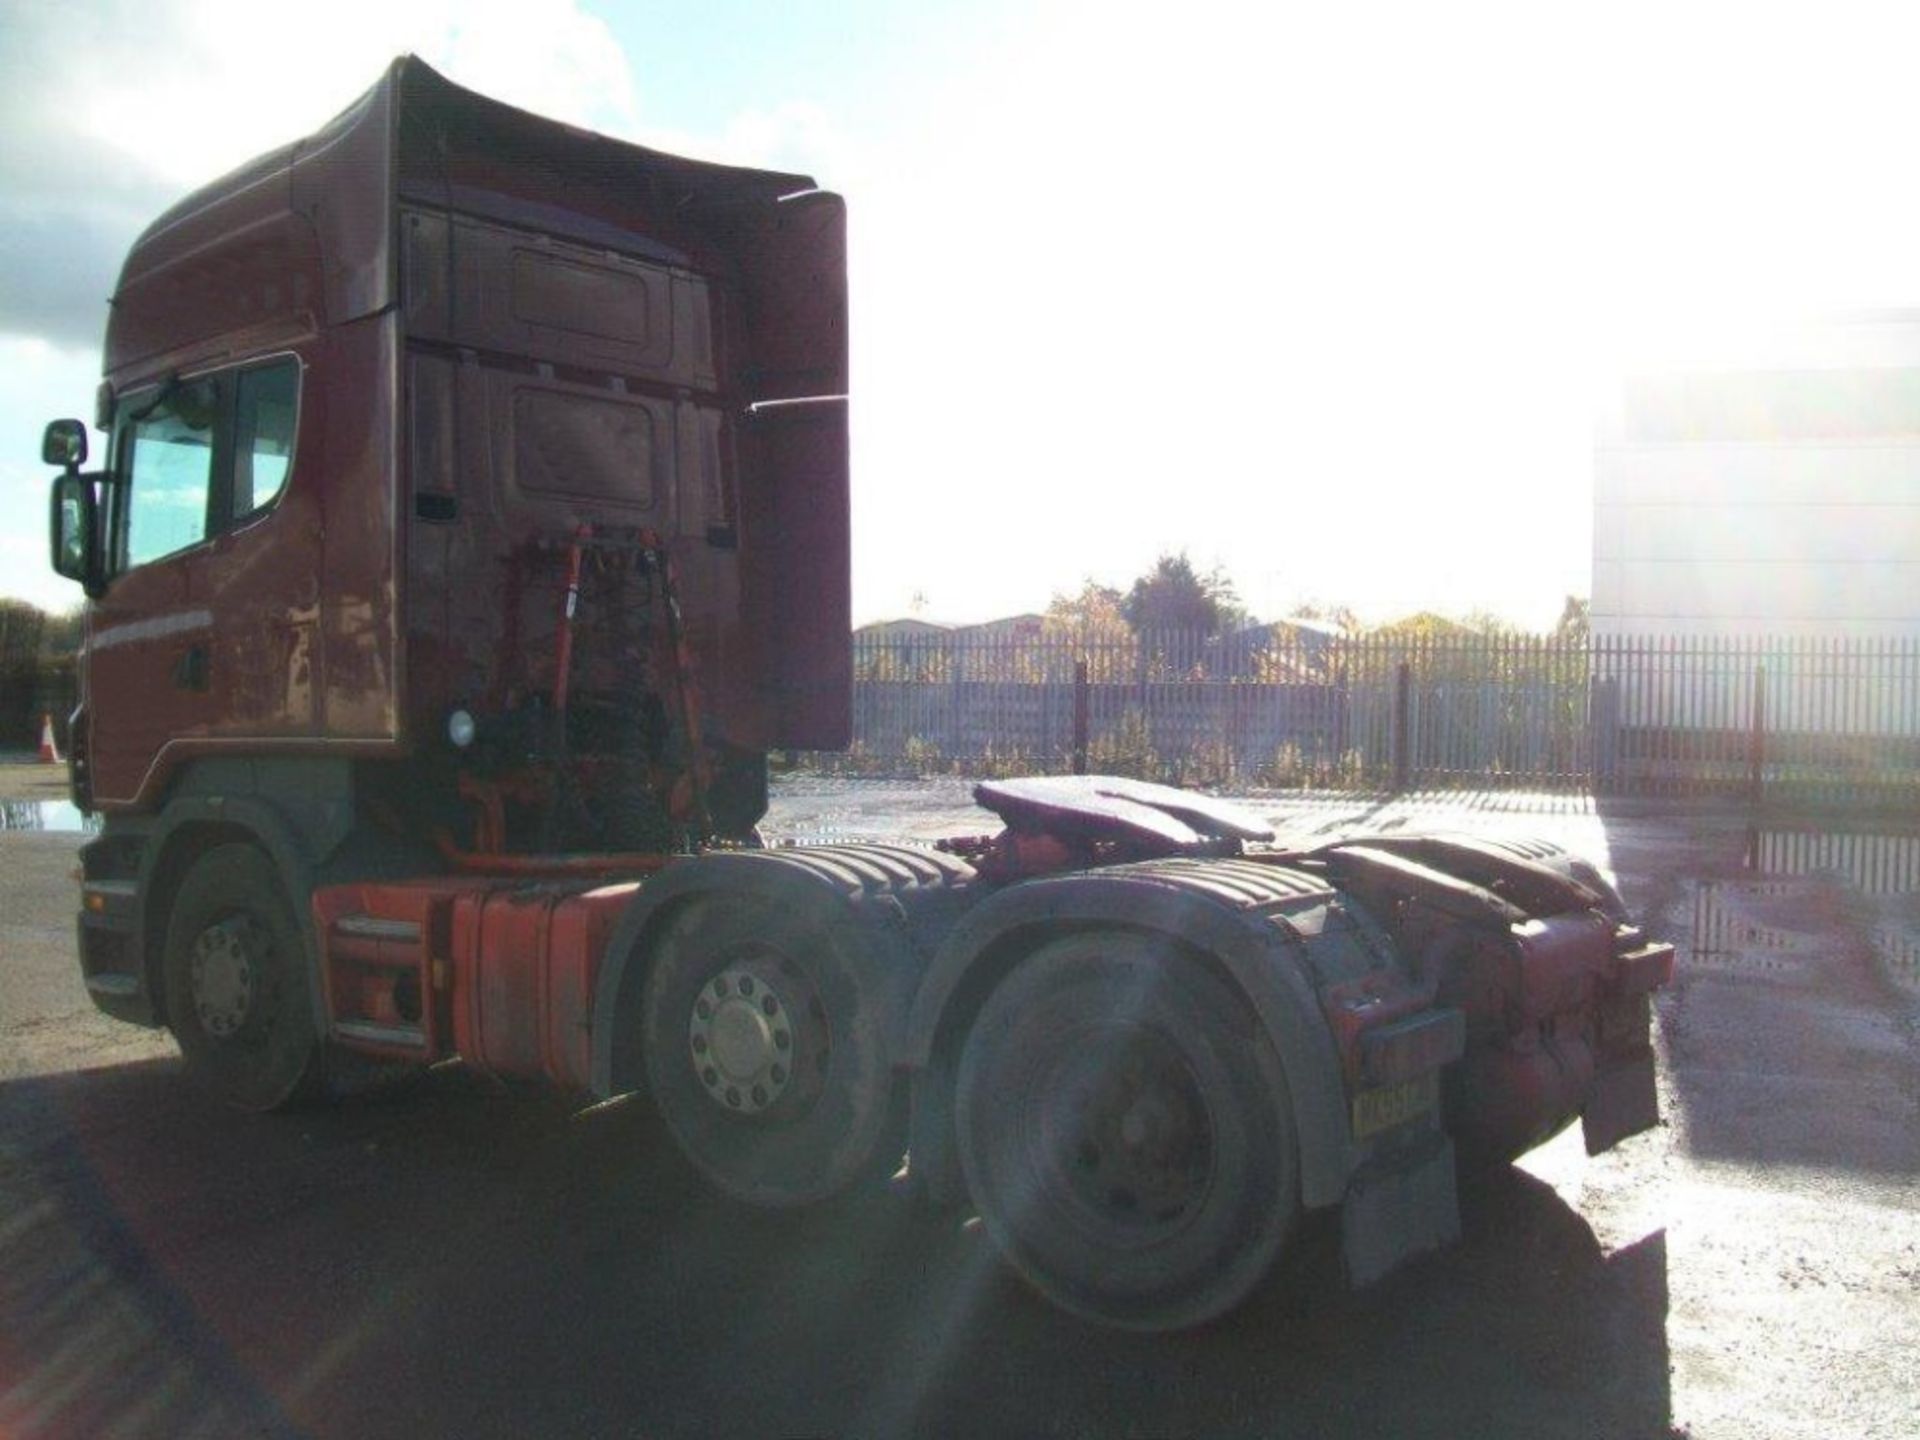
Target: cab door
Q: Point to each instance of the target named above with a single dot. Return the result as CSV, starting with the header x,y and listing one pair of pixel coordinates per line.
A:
x,y
184,648
147,636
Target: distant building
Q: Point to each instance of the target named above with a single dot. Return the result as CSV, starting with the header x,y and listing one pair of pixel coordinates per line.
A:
x,y
1779,495
1284,651
1008,627
1308,632
909,629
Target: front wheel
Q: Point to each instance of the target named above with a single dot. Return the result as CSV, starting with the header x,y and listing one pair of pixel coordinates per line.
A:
x,y
1126,1132
235,977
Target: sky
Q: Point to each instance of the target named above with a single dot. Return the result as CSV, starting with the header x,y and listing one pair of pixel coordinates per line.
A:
x,y
1325,295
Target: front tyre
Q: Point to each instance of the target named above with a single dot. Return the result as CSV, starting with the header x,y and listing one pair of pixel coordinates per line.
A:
x,y
1126,1132
235,979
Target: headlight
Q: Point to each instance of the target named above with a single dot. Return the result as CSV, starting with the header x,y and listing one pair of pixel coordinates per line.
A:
x,y
460,729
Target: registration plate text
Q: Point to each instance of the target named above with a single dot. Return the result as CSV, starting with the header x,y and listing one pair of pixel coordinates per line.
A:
x,y
1390,1105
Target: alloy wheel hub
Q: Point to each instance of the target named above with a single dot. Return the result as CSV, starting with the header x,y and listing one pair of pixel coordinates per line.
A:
x,y
741,1040
1137,1138
223,979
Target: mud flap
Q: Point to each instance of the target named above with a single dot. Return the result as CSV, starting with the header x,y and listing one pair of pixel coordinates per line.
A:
x,y
1399,1205
1624,1101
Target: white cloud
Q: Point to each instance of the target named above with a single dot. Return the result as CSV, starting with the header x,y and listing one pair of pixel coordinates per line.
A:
x,y
227,58
179,91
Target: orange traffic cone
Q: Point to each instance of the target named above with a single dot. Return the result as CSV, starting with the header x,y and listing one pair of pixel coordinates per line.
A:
x,y
49,753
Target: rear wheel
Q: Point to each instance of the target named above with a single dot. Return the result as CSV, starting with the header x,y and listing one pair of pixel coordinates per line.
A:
x,y
1126,1132
235,976
764,1050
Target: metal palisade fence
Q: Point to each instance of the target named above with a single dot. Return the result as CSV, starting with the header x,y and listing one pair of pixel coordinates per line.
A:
x,y
1814,720
1778,719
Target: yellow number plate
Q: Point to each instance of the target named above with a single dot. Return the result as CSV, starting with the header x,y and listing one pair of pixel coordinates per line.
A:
x,y
1390,1105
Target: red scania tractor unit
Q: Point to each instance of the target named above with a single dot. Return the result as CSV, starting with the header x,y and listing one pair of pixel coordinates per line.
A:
x,y
473,522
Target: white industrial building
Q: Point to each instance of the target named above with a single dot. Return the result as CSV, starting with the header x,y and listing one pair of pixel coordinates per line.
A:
x,y
1759,510
1776,492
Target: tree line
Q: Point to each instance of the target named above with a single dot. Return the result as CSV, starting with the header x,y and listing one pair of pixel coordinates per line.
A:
x,y
1174,596
36,669
28,633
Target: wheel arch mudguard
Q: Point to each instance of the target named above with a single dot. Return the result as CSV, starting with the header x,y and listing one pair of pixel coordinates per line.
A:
x,y
1257,956
191,824
890,886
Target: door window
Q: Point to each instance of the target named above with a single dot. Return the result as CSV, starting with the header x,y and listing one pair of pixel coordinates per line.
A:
x,y
204,455
169,473
263,440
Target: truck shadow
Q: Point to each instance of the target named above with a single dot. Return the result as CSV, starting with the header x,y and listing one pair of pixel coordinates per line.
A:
x,y
455,1260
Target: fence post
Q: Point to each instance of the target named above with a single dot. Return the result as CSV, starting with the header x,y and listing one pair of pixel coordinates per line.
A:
x,y
1080,716
1402,714
954,702
1603,715
1757,739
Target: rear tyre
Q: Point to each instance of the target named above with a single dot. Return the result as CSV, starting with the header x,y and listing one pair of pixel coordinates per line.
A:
x,y
236,984
1126,1132
765,1053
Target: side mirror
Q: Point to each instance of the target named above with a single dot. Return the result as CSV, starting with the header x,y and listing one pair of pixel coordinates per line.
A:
x,y
65,443
75,531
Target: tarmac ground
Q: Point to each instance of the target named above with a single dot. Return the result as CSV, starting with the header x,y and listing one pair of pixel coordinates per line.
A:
x,y
456,1258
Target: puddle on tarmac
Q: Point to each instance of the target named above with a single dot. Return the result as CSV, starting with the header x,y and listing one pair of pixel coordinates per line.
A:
x,y
60,816
1809,891
1870,864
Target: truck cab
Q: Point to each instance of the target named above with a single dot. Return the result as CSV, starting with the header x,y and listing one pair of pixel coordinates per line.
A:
x,y
370,398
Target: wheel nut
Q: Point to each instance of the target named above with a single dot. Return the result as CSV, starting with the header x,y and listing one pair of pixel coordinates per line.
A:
x,y
703,1010
769,1005
759,1095
779,1074
710,1075
781,1040
733,1097
746,985
699,1044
